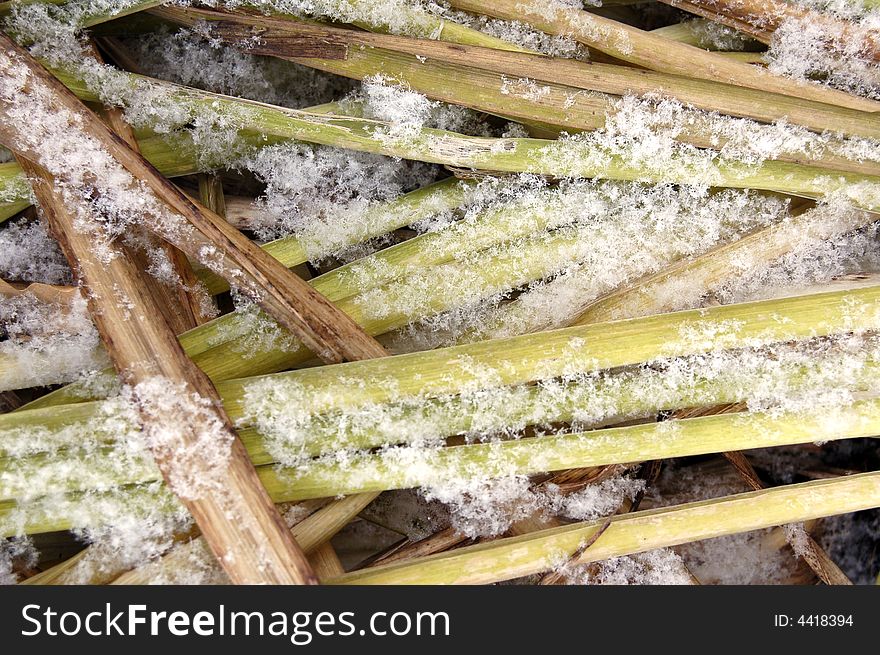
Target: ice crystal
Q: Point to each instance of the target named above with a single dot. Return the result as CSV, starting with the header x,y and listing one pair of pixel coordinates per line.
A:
x,y
654,567
188,58
29,254
15,554
800,47
47,343
319,193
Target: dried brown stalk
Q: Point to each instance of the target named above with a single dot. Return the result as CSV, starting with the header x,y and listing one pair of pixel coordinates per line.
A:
x,y
245,532
271,36
330,334
761,18
814,555
326,562
654,51
180,304
436,543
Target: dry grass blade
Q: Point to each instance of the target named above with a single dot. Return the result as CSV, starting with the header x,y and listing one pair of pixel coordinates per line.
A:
x,y
270,36
437,543
653,51
183,305
310,534
328,333
241,525
505,559
815,556
326,562
761,18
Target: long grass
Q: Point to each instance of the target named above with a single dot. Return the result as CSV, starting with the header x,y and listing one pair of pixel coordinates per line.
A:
x,y
505,559
512,361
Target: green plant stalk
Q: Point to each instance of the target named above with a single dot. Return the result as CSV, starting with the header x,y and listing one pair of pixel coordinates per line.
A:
x,y
223,347
703,274
638,443
10,209
380,219
372,473
487,229
480,275
744,57
523,359
505,559
817,315
539,156
101,468
562,107
655,52
464,76
517,360
679,32
260,122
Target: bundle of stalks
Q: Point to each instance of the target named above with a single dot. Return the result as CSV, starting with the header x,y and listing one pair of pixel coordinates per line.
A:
x,y
648,256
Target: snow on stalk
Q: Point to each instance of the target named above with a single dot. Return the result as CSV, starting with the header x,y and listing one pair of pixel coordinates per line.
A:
x,y
761,18
130,190
50,455
389,289
176,403
578,156
653,51
545,550
535,88
403,467
490,365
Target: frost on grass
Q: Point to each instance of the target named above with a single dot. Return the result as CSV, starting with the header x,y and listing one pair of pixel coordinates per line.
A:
x,y
640,139
482,507
104,197
184,432
143,513
16,555
324,196
813,261
757,557
129,541
210,134
617,232
47,343
319,194
298,421
407,112
188,58
486,495
829,376
662,566
800,47
29,254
